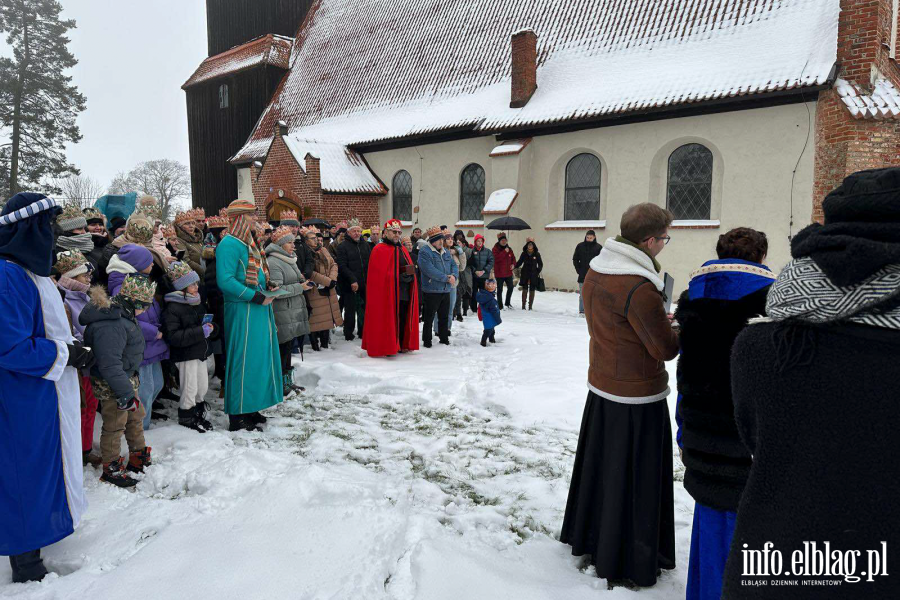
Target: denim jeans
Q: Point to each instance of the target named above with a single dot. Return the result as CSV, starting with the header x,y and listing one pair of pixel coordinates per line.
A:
x,y
450,316
151,377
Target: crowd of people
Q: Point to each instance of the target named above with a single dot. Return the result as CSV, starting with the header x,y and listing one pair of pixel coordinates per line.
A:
x,y
786,406
785,417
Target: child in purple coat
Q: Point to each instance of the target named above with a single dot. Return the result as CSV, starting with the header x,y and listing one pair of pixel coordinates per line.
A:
x,y
137,259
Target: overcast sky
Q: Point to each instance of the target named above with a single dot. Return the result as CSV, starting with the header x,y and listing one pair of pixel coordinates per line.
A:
x,y
133,56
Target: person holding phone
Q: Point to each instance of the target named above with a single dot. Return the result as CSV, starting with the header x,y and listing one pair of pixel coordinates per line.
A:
x,y
291,316
253,380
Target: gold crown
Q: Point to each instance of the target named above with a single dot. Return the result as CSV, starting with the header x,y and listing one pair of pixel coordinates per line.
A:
x,y
434,231
288,215
217,222
194,214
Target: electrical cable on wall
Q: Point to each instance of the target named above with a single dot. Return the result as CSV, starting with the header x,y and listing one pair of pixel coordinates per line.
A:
x,y
802,152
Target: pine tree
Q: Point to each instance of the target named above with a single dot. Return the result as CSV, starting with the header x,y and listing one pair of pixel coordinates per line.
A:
x,y
38,102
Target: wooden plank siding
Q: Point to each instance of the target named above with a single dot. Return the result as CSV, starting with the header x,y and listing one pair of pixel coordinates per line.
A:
x,y
216,134
230,23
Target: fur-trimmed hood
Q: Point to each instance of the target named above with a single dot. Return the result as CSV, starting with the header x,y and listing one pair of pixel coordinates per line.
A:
x,y
100,308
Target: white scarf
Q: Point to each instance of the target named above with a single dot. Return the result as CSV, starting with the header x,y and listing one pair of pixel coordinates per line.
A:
x,y
117,265
617,258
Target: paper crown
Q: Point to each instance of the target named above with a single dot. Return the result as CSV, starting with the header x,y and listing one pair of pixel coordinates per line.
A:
x,y
150,207
181,275
290,215
92,215
282,235
393,225
169,232
217,222
194,214
71,263
434,233
351,223
139,228
138,288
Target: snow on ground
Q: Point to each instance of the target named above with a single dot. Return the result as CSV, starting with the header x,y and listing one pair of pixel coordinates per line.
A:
x,y
441,474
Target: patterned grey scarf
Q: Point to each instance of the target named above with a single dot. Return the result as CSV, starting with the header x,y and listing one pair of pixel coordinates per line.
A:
x,y
804,292
83,242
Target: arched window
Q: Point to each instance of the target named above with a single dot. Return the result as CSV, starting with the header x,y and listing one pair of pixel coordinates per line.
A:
x,y
401,191
471,193
689,191
583,188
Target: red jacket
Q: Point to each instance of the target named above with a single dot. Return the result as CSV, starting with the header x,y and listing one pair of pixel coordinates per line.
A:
x,y
504,261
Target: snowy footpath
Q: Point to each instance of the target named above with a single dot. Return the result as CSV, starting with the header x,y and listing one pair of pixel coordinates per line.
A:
x,y
437,475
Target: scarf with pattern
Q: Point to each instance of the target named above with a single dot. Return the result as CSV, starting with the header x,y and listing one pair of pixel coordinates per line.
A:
x,y
83,242
241,228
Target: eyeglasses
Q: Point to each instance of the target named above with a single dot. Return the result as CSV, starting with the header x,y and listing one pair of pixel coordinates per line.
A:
x,y
667,238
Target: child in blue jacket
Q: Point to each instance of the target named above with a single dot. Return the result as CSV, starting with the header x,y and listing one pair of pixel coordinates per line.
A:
x,y
489,309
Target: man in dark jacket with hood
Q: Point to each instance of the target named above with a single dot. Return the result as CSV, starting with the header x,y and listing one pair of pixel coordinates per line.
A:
x,y
352,258
584,254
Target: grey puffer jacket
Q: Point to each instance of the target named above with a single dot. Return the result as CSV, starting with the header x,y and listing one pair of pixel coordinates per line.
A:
x,y
116,339
291,316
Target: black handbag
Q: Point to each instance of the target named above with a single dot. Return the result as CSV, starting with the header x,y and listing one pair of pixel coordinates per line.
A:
x,y
540,284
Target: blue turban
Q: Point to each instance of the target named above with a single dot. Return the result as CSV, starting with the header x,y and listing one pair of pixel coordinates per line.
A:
x,y
26,232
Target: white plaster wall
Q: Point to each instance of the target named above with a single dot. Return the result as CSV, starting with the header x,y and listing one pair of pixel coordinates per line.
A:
x,y
755,153
245,185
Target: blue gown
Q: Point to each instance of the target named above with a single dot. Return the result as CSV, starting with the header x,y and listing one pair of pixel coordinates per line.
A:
x,y
41,487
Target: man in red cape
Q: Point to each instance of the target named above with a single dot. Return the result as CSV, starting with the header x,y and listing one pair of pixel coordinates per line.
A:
x,y
392,297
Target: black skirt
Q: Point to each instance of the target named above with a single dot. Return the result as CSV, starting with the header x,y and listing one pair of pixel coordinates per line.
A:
x,y
621,507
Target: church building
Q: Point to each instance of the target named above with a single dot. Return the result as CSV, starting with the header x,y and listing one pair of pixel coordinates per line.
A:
x,y
564,113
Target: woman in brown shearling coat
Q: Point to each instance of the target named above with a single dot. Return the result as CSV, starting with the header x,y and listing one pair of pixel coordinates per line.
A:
x,y
326,313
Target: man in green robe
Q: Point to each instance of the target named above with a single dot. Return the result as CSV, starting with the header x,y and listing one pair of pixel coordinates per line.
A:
x,y
253,369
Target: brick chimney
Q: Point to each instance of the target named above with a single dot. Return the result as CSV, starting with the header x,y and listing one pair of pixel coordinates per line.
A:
x,y
524,67
844,144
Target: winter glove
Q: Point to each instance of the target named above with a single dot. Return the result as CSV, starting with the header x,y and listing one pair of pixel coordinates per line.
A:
x,y
80,357
208,329
131,404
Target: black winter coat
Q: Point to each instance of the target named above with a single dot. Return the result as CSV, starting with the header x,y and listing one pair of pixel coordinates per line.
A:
x,y
584,254
116,340
352,259
717,462
531,265
183,330
824,437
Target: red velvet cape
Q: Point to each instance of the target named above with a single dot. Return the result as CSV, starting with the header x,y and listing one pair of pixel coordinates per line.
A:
x,y
383,304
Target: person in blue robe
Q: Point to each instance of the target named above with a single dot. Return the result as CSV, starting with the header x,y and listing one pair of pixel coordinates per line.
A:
x,y
41,490
722,297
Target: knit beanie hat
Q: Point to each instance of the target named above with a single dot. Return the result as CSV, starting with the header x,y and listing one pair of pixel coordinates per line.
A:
x,y
181,275
72,263
71,218
136,256
434,234
282,236
115,223
92,215
139,228
138,289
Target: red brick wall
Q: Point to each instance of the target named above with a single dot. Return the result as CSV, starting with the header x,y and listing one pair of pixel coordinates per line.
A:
x,y
845,144
282,172
524,68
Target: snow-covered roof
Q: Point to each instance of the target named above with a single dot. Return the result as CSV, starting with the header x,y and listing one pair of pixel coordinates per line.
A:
x,y
883,102
406,68
500,202
342,170
510,148
274,50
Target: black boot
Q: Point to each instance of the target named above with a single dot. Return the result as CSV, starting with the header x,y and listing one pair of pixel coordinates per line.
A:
x,y
326,338
201,408
28,566
427,343
241,423
290,381
484,339
493,340
256,418
189,418
115,474
314,342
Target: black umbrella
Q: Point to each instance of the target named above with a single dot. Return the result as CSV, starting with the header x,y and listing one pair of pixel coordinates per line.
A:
x,y
509,224
316,221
